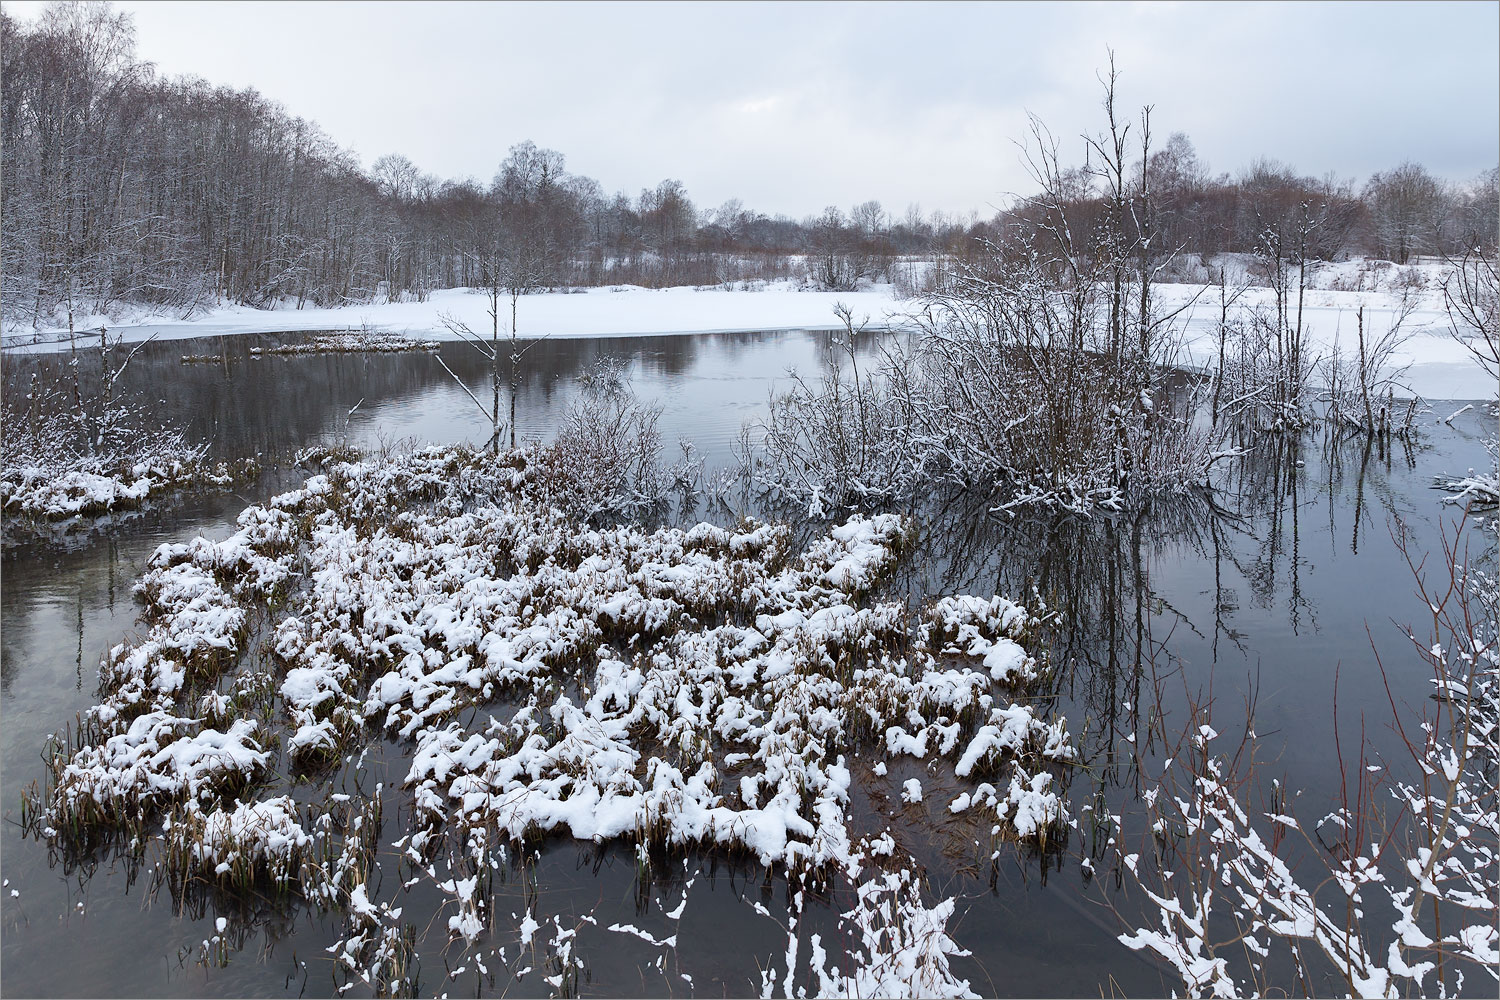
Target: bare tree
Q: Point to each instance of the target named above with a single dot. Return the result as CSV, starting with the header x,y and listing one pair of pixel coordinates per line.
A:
x,y
1471,293
1041,375
1407,205
1361,387
838,259
510,270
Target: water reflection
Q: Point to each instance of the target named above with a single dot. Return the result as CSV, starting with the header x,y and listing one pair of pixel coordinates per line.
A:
x,y
1269,581
1262,591
249,402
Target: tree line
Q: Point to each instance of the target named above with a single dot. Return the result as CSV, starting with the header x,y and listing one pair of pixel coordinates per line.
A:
x,y
1397,215
119,185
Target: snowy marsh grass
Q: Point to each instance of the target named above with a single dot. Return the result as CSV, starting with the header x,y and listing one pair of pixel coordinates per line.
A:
x,y
251,692
318,759
1243,896
321,456
264,860
564,968
255,848
202,663
106,781
74,824
678,690
397,963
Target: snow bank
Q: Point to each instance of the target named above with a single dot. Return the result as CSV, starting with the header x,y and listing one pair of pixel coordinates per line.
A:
x,y
615,311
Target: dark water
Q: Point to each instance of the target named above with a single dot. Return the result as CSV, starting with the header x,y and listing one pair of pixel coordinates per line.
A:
x,y
707,386
1271,597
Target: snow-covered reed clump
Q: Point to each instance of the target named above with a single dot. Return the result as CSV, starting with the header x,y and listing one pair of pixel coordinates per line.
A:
x,y
46,474
234,841
702,688
363,341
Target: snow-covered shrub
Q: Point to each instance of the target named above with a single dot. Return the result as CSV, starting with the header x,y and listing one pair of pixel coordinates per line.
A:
x,y
606,459
1057,388
842,441
1250,379
70,447
1014,389
1043,375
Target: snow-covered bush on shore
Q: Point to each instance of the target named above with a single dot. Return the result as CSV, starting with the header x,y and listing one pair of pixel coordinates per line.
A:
x,y
677,689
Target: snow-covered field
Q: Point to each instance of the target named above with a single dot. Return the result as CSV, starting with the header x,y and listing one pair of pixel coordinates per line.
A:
x,y
1440,367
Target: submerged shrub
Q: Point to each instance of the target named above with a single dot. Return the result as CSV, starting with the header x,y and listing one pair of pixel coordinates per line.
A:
x,y
606,459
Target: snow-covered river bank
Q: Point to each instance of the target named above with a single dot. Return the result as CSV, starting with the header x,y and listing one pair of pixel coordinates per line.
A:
x,y
1439,368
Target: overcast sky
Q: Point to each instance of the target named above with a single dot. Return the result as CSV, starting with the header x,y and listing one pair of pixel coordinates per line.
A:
x,y
791,107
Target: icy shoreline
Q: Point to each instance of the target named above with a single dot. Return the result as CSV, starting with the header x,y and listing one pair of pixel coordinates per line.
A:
x,y
1439,367
612,311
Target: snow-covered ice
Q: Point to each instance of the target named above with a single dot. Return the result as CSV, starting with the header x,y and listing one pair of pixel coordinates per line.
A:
x,y
613,311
